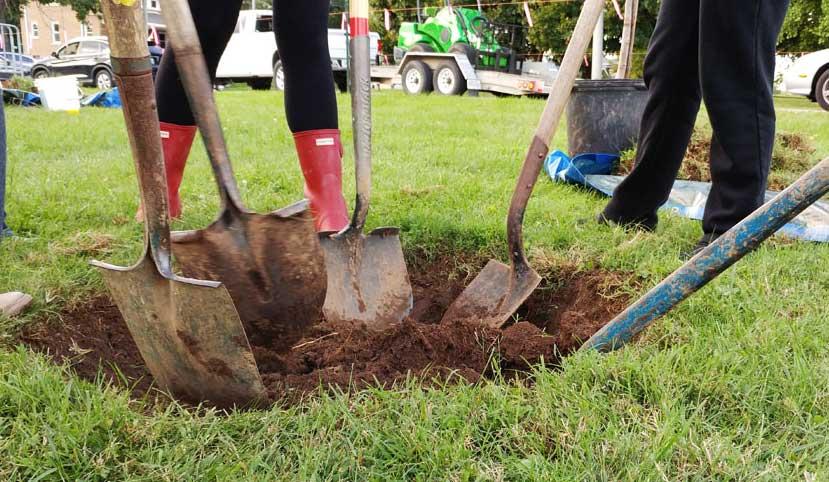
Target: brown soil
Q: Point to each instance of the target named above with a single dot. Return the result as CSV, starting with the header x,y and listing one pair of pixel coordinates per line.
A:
x,y
95,340
555,320
792,156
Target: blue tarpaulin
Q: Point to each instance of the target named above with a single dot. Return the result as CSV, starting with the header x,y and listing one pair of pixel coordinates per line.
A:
x,y
687,198
20,97
108,98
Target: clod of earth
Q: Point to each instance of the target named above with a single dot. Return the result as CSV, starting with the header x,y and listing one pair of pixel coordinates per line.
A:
x,y
554,322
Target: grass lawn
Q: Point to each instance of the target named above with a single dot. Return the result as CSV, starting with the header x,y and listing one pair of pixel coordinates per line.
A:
x,y
733,385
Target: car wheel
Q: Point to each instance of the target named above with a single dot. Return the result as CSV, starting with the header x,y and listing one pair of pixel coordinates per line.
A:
x,y
822,91
103,79
449,80
40,74
278,76
417,78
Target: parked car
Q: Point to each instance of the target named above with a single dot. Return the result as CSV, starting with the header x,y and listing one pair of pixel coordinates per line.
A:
x,y
251,55
809,76
12,64
87,58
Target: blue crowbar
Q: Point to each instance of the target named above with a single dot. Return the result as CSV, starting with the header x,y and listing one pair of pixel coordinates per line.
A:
x,y
713,260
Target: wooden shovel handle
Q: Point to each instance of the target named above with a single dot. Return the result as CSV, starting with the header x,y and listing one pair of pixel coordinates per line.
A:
x,y
539,148
133,73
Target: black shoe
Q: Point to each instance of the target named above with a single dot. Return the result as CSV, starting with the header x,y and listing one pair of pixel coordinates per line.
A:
x,y
704,242
647,224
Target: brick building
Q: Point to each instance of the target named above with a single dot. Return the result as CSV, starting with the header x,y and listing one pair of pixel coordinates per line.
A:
x,y
44,27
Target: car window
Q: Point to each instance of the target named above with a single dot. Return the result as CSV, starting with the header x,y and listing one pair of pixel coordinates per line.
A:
x,y
90,48
71,49
264,24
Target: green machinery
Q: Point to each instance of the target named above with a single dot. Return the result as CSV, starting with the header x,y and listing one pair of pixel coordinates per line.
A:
x,y
459,30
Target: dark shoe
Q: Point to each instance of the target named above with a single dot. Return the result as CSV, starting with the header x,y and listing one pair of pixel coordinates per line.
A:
x,y
647,224
704,242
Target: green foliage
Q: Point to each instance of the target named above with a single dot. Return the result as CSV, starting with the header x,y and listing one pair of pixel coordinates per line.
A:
x,y
20,83
82,8
806,27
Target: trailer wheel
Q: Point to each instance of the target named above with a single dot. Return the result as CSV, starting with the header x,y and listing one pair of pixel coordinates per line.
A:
x,y
417,78
449,80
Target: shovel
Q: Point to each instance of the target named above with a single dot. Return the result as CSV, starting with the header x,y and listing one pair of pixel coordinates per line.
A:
x,y
187,330
272,264
367,277
499,290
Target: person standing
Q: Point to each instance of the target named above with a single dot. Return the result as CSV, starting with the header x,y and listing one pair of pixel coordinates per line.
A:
x,y
721,52
5,231
14,302
301,28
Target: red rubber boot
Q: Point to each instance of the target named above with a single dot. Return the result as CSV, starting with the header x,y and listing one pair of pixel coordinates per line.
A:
x,y
176,141
320,156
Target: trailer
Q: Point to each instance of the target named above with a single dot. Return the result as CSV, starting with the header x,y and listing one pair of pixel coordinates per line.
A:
x,y
453,74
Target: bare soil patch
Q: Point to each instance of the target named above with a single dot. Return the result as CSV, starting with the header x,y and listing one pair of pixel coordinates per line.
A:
x,y
793,155
566,310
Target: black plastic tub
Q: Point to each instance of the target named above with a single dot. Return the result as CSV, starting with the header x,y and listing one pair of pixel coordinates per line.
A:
x,y
603,116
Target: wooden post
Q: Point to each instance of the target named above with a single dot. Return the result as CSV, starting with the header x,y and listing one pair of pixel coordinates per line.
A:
x,y
628,38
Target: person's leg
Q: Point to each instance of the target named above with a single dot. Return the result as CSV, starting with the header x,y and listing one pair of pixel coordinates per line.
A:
x,y
215,21
4,229
671,74
738,40
301,28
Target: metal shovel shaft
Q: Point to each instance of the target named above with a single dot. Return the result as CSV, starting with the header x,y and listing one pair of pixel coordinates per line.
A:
x,y
367,277
713,260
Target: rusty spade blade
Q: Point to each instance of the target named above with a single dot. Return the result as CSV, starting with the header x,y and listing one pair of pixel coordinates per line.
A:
x,y
367,276
272,264
499,290
188,331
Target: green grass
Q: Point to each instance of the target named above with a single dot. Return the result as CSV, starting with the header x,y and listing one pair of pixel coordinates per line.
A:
x,y
733,385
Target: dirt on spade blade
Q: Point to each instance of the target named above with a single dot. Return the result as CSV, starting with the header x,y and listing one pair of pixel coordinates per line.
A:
x,y
566,310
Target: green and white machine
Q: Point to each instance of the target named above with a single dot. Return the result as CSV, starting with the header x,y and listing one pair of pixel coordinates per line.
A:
x,y
458,30
457,50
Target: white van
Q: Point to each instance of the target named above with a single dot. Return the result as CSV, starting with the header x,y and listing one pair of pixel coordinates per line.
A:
x,y
251,55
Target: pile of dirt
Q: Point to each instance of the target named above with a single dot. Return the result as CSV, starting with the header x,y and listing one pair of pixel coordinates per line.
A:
x,y
792,156
558,317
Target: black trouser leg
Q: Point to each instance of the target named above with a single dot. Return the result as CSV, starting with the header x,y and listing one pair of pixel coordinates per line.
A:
x,y
738,41
302,38
671,74
215,21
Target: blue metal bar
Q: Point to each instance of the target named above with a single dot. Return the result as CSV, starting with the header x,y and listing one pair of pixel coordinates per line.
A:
x,y
716,258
